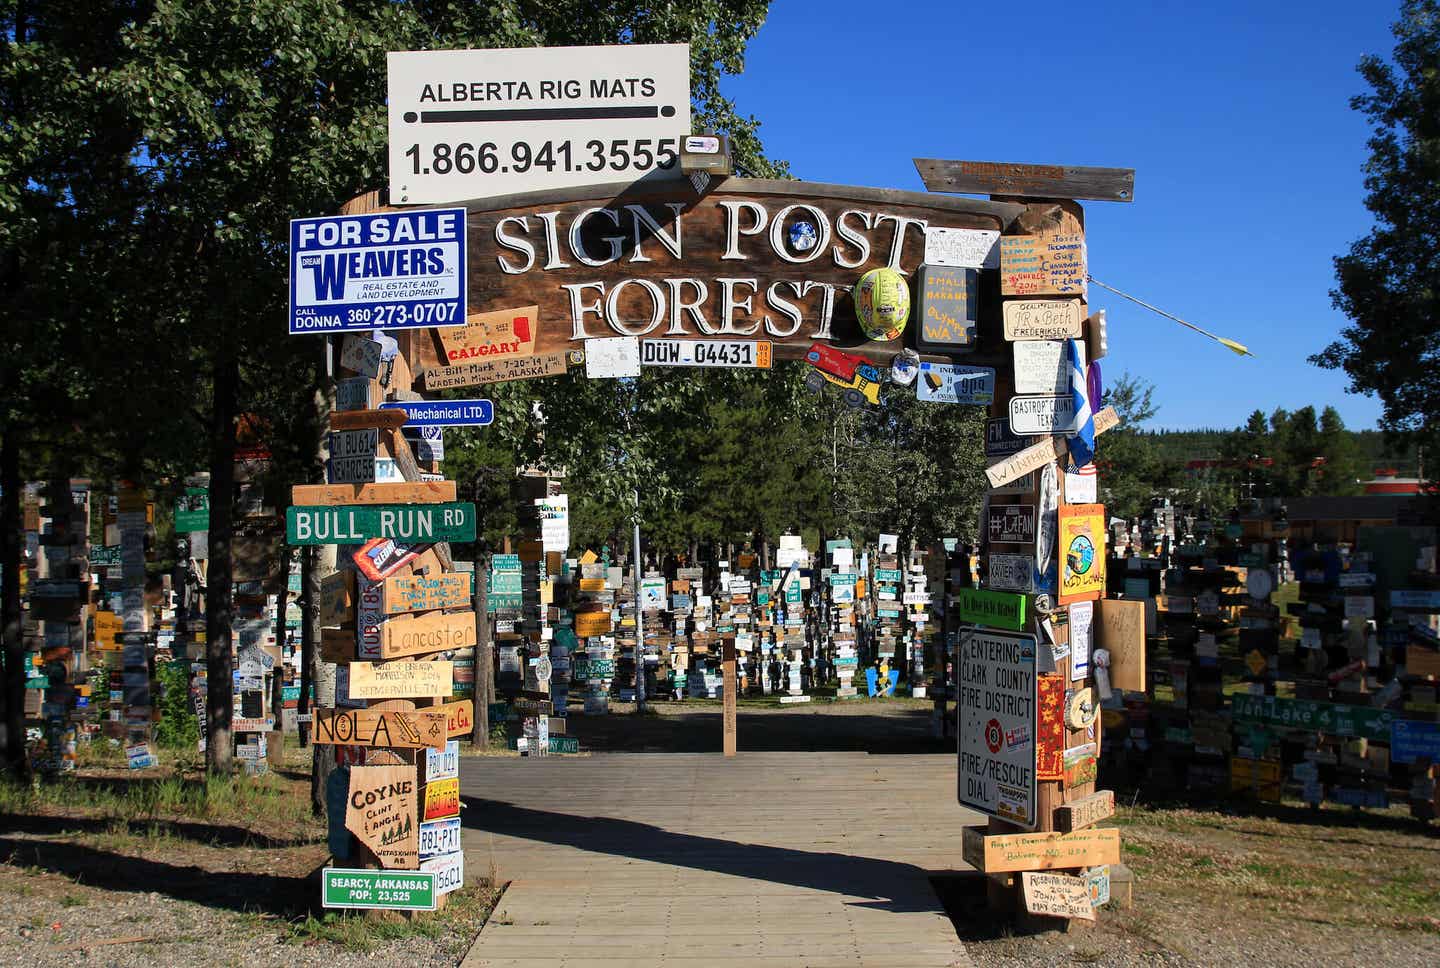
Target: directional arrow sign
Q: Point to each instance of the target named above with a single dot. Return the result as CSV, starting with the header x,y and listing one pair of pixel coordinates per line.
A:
x,y
357,524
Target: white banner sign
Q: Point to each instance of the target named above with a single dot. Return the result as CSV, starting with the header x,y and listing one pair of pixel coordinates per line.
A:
x,y
997,700
1042,415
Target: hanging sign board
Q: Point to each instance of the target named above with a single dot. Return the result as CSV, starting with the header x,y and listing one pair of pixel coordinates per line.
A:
x,y
1043,318
401,680
445,413
752,260
1010,524
390,270
997,700
1082,550
1012,573
968,248
726,353
482,123
506,333
381,811
954,383
1042,415
1043,366
1032,265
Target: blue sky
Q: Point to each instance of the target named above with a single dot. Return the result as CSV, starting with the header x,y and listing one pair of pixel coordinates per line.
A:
x,y
1235,116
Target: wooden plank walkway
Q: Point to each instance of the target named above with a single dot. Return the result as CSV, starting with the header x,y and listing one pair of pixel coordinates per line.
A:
x,y
692,860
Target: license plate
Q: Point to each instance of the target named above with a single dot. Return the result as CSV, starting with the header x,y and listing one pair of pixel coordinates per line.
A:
x,y
439,837
735,353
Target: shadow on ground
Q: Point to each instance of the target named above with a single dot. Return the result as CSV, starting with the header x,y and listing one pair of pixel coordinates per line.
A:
x,y
886,885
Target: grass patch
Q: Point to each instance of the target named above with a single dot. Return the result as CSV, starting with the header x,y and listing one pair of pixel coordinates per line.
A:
x,y
465,912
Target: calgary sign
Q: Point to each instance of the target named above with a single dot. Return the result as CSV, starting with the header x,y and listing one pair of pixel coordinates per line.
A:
x,y
754,259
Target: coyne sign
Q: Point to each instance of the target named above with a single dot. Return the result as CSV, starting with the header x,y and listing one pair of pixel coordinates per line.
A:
x,y
392,270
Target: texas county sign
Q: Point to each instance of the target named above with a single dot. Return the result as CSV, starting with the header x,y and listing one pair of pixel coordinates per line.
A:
x,y
357,524
754,259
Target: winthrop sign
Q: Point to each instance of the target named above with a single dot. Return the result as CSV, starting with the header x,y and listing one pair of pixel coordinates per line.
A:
x,y
756,259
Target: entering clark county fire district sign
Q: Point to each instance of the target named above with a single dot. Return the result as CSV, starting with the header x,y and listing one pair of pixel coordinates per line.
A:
x,y
393,270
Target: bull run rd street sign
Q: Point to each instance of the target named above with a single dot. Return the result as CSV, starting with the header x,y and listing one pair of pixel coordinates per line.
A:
x,y
482,123
359,523
388,271
445,413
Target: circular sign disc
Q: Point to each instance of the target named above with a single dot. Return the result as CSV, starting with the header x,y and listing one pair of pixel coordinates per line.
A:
x,y
1080,709
1259,583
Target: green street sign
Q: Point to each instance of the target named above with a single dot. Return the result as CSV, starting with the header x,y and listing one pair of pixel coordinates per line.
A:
x,y
192,512
979,606
887,574
357,524
105,556
393,890
1320,717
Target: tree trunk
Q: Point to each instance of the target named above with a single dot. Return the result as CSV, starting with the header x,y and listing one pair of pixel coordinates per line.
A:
x,y
277,678
12,549
219,664
309,633
484,665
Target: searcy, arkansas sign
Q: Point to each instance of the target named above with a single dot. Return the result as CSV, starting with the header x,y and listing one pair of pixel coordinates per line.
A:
x,y
754,259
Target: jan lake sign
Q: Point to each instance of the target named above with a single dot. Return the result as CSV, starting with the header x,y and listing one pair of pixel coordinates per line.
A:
x,y
392,270
445,413
357,524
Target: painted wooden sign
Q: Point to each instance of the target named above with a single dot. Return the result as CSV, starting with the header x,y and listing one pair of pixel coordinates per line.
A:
x,y
442,799
374,727
421,634
401,680
1039,454
1120,630
1050,727
647,259
360,523
421,593
492,370
1033,265
591,623
1027,319
381,811
365,419
947,308
1085,812
1035,181
998,854
1053,414
1057,895
1081,547
1010,524
408,492
459,717
997,699
337,597
502,334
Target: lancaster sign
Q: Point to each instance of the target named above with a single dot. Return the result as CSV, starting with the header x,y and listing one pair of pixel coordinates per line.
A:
x,y
754,259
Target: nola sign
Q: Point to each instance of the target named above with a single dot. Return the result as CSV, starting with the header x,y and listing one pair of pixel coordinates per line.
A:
x,y
998,701
393,270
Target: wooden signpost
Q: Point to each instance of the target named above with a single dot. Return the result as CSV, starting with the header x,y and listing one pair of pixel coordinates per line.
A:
x,y
373,727
423,634
381,811
1001,853
400,680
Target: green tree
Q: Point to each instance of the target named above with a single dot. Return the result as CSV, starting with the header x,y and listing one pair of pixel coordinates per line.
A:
x,y
1389,281
1130,473
1345,469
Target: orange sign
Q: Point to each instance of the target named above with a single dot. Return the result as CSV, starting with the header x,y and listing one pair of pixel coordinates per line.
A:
x,y
1082,552
442,799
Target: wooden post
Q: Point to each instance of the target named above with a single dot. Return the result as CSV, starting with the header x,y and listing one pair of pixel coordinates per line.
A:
x,y
484,667
727,667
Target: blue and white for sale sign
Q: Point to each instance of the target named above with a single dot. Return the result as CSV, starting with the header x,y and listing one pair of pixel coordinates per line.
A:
x,y
390,270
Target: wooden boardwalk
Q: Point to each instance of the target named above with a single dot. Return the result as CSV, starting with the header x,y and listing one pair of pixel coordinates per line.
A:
x,y
689,859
